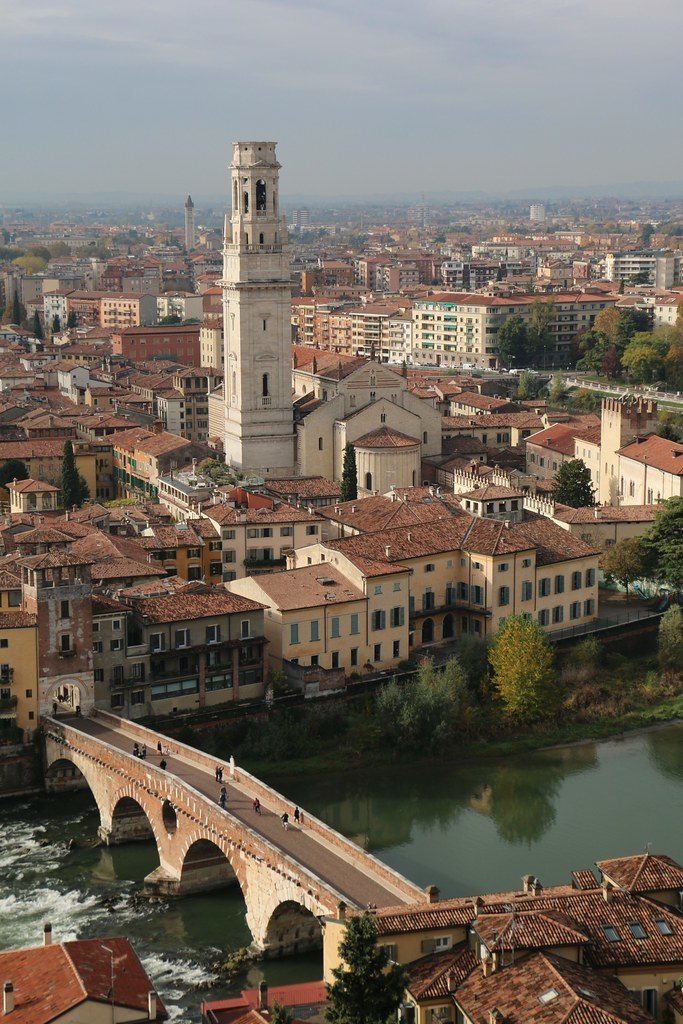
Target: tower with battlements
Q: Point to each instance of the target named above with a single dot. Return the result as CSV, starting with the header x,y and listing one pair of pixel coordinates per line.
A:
x,y
621,420
259,423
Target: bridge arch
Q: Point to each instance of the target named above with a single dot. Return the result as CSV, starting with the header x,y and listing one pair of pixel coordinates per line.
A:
x,y
292,928
129,822
206,865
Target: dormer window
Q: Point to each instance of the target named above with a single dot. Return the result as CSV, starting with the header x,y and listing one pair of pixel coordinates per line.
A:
x,y
611,934
637,930
664,927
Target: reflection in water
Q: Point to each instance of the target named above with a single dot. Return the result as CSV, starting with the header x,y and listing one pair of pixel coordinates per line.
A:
x,y
665,751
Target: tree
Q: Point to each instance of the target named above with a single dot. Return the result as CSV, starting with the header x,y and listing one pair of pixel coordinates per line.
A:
x,y
56,324
572,485
30,264
37,326
12,469
624,561
512,341
367,989
526,386
644,357
541,316
72,483
349,481
611,364
522,661
607,323
429,712
557,389
17,311
670,640
280,1014
72,319
663,544
646,233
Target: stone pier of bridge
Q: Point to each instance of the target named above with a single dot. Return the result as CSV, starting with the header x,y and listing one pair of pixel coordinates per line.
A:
x,y
201,846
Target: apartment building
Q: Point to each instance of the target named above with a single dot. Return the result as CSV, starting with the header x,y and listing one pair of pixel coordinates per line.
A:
x,y
113,310
319,617
145,344
211,350
650,470
660,269
142,456
461,330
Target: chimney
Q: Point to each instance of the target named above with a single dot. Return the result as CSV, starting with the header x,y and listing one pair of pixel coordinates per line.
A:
x,y
263,995
151,1005
495,1016
387,551
606,891
158,427
527,881
477,904
410,536
450,981
433,894
47,934
341,911
487,968
8,998
536,887
596,512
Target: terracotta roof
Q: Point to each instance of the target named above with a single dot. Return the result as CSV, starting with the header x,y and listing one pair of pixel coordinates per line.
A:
x,y
227,516
520,420
377,512
550,989
533,929
385,437
29,486
434,976
123,568
195,606
72,973
17,620
645,872
606,514
558,438
657,452
305,487
308,587
490,492
53,559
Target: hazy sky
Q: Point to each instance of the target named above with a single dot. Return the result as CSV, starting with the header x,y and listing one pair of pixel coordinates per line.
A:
x,y
362,96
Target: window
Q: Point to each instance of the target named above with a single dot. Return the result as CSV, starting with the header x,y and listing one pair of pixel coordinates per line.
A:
x,y
116,645
64,610
558,613
117,700
335,659
391,950
430,567
95,627
213,634
315,629
664,927
286,531
137,697
527,590
354,656
397,649
576,581
503,596
355,628
544,587
157,642
377,652
503,566
311,531
335,626
548,996
637,930
590,577
378,588
611,934
575,610
98,647
559,584
379,619
320,444
650,1001
526,563
397,616
543,617
294,633
443,942
182,638
116,626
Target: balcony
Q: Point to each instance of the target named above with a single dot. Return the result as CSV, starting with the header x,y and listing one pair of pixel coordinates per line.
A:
x,y
67,653
8,704
265,563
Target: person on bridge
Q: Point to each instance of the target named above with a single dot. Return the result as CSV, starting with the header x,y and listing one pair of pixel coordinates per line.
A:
x,y
159,751
136,750
143,752
285,821
223,798
296,815
162,765
257,805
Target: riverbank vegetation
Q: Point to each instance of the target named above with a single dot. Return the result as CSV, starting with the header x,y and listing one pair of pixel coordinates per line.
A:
x,y
479,703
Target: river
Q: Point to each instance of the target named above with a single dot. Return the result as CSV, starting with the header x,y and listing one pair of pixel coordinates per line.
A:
x,y
466,827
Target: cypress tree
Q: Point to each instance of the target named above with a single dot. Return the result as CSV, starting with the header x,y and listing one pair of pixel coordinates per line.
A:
x,y
56,324
16,308
72,319
349,482
70,482
37,326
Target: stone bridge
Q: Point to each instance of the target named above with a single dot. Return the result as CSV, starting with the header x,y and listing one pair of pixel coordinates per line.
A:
x,y
289,878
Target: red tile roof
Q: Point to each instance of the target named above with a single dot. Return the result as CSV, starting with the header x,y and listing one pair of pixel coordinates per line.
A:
x,y
657,452
645,872
178,607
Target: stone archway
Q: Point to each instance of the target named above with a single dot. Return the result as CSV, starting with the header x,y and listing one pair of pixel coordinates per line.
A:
x,y
205,866
129,822
448,630
292,929
63,775
428,631
64,697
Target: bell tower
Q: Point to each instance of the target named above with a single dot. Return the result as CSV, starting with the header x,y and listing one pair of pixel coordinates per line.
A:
x,y
259,423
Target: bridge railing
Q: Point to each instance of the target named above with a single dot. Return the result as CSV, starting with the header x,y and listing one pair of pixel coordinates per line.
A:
x,y
270,798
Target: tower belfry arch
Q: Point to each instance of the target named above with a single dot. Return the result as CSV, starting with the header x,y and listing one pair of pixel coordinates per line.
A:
x,y
259,424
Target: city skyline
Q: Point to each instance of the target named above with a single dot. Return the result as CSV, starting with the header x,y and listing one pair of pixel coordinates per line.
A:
x,y
466,95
